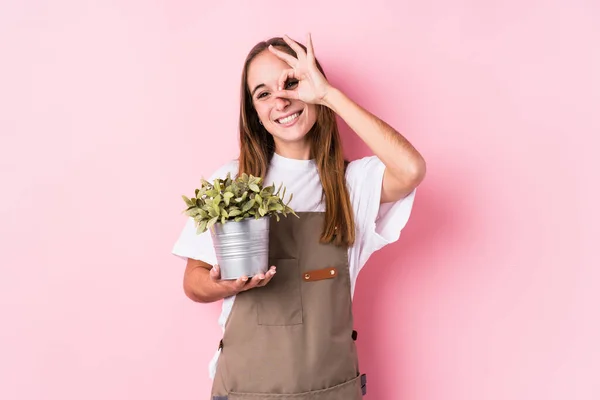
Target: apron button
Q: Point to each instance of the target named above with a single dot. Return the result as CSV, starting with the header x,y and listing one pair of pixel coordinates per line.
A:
x,y
307,276
332,271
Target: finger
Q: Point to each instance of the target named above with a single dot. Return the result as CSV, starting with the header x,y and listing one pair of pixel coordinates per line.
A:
x,y
309,47
255,281
287,94
292,43
268,276
285,75
239,283
288,58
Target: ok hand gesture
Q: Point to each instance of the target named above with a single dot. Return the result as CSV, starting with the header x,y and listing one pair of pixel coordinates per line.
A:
x,y
311,85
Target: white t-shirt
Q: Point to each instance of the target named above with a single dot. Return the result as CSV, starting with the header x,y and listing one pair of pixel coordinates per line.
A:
x,y
376,224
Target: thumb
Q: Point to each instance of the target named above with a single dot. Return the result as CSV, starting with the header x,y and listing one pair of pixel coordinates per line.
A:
x,y
215,272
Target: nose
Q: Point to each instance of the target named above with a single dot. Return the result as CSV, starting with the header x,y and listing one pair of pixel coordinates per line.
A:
x,y
281,103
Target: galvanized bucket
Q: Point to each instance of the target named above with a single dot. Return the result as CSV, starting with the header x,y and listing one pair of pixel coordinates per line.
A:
x,y
242,247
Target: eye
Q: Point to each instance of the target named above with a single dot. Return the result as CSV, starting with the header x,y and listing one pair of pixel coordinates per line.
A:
x,y
262,95
291,83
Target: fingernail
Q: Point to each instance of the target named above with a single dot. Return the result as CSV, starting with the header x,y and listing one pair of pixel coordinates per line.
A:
x,y
244,279
261,277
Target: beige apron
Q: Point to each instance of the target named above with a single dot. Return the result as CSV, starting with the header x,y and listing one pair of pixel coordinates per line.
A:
x,y
293,338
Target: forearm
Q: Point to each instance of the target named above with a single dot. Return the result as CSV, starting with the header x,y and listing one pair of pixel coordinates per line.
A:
x,y
402,160
199,286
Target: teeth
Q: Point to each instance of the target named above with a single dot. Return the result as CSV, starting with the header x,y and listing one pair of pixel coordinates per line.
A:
x,y
289,118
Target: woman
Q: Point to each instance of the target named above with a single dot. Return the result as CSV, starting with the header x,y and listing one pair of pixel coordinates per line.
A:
x,y
289,332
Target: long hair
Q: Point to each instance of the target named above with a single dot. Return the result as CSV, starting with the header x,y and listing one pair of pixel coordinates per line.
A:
x,y
257,147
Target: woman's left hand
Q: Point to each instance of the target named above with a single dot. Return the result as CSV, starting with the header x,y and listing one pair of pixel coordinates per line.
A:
x,y
312,85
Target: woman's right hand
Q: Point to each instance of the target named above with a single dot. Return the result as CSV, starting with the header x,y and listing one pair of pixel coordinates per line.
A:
x,y
202,282
243,283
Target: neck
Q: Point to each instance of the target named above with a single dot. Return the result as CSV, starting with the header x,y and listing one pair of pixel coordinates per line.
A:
x,y
297,151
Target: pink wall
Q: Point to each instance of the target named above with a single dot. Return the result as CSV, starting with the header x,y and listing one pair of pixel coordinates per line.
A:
x,y
110,112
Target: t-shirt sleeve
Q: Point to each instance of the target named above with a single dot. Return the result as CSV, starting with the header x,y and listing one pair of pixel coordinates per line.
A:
x,y
196,246
377,225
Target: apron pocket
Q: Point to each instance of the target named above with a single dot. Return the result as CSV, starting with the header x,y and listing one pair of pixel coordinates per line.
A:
x,y
280,302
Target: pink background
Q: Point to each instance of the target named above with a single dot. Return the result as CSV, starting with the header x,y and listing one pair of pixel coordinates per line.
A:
x,y
109,111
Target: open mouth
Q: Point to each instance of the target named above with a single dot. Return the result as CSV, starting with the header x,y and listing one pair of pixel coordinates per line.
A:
x,y
289,119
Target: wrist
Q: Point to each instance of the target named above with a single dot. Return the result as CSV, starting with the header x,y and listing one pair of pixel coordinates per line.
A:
x,y
225,289
330,97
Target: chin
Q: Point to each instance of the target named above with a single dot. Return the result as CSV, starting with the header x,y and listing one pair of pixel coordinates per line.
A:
x,y
293,135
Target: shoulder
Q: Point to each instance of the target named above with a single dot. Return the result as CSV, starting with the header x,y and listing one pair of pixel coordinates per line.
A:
x,y
231,166
363,168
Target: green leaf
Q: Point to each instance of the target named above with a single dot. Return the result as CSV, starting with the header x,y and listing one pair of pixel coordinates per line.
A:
x,y
293,212
235,213
235,188
248,205
254,187
188,201
211,222
227,197
276,207
240,199
193,212
202,227
268,191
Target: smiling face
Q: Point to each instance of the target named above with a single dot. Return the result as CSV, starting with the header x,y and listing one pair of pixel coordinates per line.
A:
x,y
288,120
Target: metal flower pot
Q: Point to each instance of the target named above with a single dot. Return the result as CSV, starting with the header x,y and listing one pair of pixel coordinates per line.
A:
x,y
242,248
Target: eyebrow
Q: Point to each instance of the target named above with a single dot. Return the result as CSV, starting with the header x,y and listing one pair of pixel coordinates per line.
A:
x,y
256,88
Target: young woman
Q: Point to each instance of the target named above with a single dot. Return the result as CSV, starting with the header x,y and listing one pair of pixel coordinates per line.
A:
x,y
289,333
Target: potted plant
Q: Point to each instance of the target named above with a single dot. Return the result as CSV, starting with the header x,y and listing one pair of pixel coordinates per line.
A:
x,y
237,213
